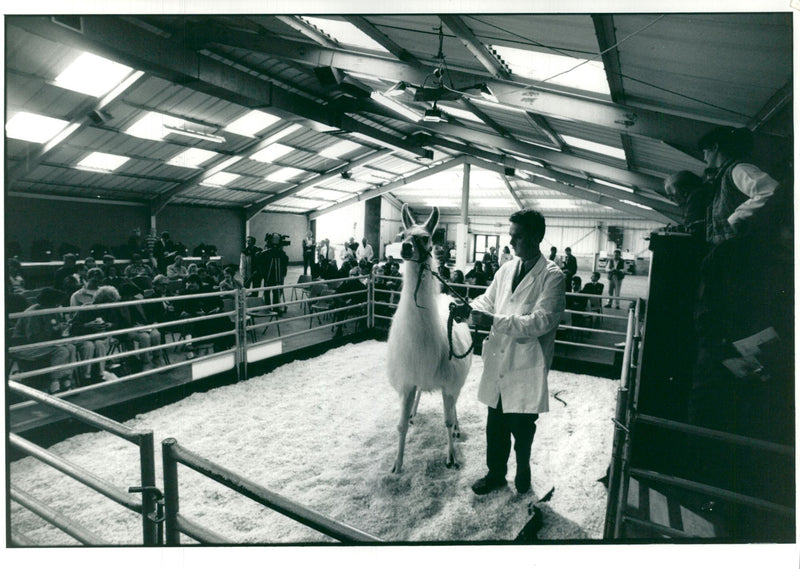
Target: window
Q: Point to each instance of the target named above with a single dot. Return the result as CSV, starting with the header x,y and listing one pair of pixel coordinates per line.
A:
x,y
482,244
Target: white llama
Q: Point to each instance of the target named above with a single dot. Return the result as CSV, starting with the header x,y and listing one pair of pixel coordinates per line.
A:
x,y
418,345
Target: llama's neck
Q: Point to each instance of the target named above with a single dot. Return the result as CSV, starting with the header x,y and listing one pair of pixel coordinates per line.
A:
x,y
419,293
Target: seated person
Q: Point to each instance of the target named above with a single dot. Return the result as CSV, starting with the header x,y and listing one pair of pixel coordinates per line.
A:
x,y
14,276
191,307
139,272
351,286
95,321
457,283
85,295
177,270
69,268
88,264
214,273
230,279
113,275
43,328
476,276
133,316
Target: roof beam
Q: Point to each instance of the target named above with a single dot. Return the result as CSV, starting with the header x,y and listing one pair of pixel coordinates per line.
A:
x,y
512,191
402,181
129,44
579,193
667,209
375,34
541,123
607,41
776,103
252,210
530,95
475,46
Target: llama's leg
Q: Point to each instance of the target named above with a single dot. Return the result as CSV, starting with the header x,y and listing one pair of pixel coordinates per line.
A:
x,y
402,428
451,422
413,413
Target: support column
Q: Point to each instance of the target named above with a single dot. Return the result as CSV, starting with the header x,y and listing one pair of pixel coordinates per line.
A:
x,y
462,229
372,224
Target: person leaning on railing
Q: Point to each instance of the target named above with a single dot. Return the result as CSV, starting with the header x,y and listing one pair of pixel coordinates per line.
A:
x,y
43,328
133,316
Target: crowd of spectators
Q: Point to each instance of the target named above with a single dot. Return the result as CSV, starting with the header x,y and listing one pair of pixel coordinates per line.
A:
x,y
156,270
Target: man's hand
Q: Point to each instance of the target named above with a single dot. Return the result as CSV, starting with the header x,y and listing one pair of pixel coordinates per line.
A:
x,y
481,319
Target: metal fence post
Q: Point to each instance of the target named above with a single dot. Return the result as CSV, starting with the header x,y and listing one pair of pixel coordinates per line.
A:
x,y
371,301
241,335
148,465
171,501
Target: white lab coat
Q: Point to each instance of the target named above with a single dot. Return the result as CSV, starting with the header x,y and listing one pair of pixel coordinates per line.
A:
x,y
519,349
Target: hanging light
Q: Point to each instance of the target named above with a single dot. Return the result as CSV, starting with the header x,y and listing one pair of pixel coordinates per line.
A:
x,y
434,114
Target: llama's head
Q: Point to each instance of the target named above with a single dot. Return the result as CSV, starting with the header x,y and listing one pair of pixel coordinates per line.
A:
x,y
417,242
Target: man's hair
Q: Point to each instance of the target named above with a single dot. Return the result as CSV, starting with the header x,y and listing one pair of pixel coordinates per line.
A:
x,y
732,142
531,221
50,296
568,250
108,258
596,273
136,257
69,257
165,234
95,273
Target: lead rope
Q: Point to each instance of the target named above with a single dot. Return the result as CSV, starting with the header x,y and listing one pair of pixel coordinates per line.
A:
x,y
464,309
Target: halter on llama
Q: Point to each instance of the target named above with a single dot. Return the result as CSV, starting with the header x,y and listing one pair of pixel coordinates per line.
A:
x,y
418,346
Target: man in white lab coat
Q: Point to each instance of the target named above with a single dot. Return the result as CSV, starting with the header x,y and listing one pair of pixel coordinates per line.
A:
x,y
522,308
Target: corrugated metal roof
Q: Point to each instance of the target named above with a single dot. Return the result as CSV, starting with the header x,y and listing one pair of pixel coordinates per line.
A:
x,y
704,68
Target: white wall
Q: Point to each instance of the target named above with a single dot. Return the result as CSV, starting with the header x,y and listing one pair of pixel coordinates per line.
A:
x,y
391,225
295,226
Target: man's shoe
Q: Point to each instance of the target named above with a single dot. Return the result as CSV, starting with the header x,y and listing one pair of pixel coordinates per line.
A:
x,y
488,484
522,481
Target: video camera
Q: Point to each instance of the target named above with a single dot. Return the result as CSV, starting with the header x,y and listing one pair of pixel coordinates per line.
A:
x,y
277,240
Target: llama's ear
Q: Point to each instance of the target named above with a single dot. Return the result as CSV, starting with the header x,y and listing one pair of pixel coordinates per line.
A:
x,y
408,221
433,219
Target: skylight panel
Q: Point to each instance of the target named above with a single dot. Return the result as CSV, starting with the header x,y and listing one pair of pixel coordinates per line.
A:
x,y
271,153
33,127
556,69
460,113
340,148
594,147
92,75
152,126
102,162
554,203
252,123
192,158
219,179
285,174
345,33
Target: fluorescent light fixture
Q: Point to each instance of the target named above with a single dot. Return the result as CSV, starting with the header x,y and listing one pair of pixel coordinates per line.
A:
x,y
594,147
487,93
219,179
434,114
556,69
156,126
339,148
195,134
92,75
345,33
271,153
252,123
102,162
460,113
33,127
192,157
285,174
399,108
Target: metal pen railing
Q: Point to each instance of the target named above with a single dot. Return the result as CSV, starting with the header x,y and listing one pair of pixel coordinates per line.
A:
x,y
147,507
173,454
